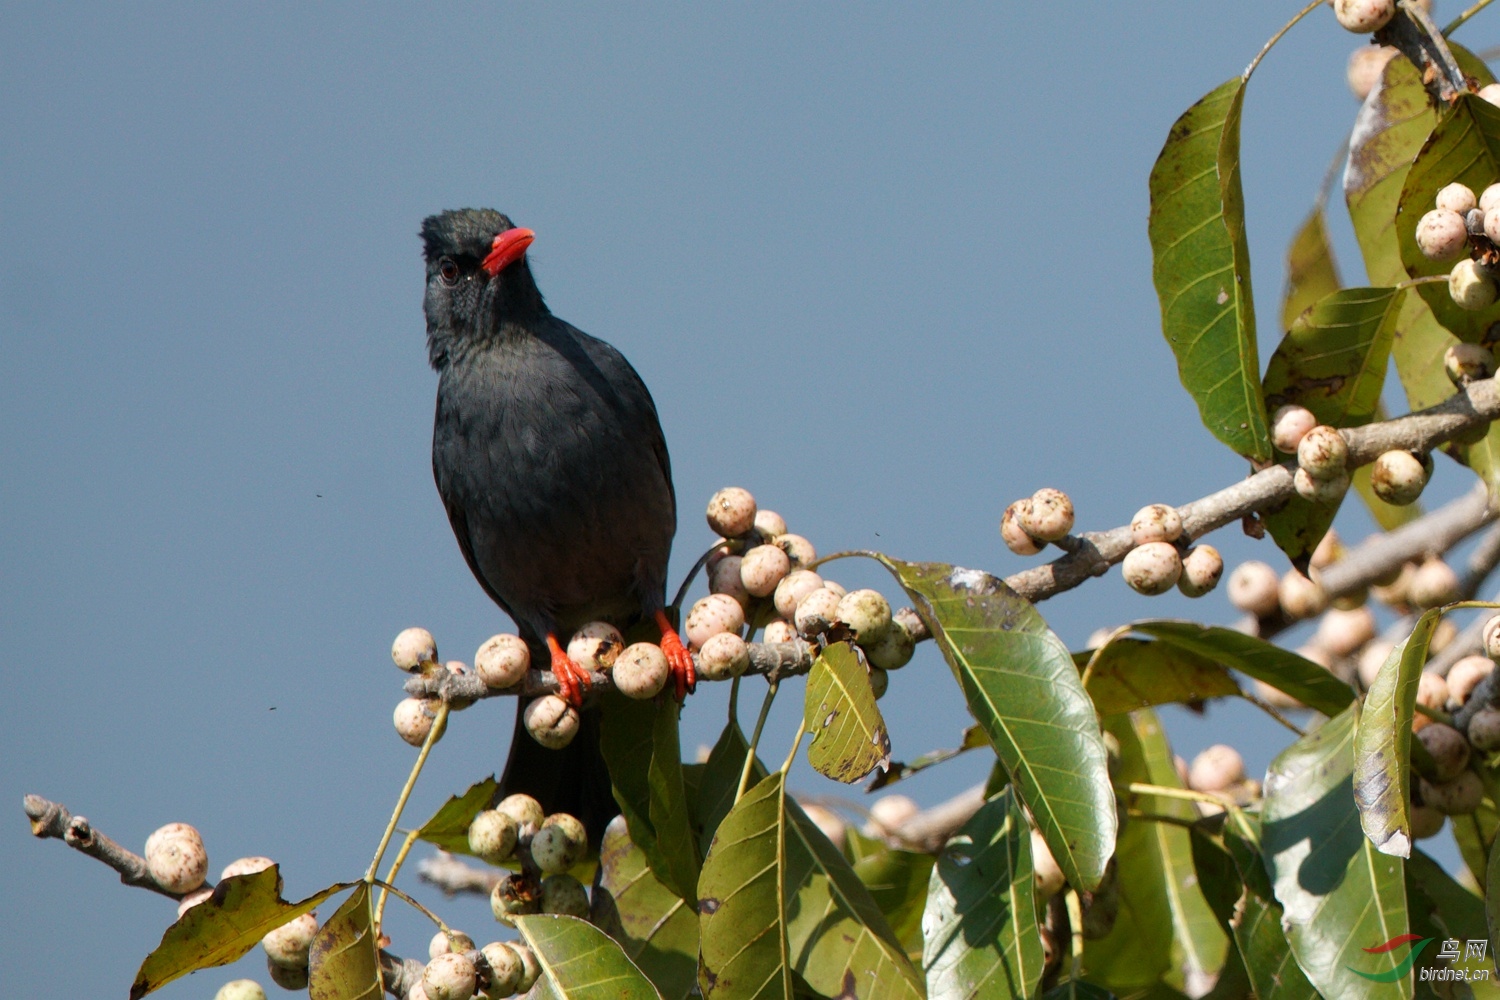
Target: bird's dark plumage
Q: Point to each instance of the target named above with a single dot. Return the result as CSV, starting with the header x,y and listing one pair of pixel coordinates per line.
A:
x,y
550,460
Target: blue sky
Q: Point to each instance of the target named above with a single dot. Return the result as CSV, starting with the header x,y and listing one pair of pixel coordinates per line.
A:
x,y
884,266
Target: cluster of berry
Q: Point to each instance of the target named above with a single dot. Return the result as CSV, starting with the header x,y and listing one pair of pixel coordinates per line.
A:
x,y
1466,229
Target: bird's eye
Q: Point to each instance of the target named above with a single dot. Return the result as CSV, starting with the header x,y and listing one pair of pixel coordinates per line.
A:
x,y
448,271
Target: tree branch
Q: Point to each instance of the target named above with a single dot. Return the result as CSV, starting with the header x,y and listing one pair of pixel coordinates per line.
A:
x,y
52,819
1413,31
454,876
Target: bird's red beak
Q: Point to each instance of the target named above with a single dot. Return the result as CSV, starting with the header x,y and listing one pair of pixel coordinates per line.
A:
x,y
509,247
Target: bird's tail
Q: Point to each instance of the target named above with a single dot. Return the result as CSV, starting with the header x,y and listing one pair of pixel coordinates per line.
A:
x,y
573,780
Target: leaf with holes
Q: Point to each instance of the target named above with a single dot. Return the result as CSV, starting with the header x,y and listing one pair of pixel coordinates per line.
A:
x,y
1022,687
1201,267
1132,673
241,911
981,932
1382,743
1337,893
580,962
344,962
849,738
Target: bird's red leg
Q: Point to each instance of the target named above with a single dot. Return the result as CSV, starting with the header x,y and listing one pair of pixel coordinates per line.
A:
x,y
571,678
684,672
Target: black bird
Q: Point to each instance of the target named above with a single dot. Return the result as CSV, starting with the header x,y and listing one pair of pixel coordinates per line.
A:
x,y
551,462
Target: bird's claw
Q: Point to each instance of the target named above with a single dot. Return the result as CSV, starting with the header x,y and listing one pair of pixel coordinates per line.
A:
x,y
684,670
572,680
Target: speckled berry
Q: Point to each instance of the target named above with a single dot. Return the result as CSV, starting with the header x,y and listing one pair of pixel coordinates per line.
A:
x,y
1048,877
295,979
1289,425
817,611
723,656
192,899
769,523
798,550
641,671
828,821
1201,569
1300,597
867,612
515,895
780,631
1432,692
525,810
1426,822
449,977
1253,588
711,616
176,858
1469,287
413,649
558,846
1491,637
1364,16
1323,453
1484,729
894,650
288,944
1015,537
762,568
1157,522
1049,515
889,813
451,942
531,969
731,512
595,646
1458,797
414,718
1490,92
1366,64
1342,633
505,970
1448,748
837,588
1398,477
793,587
1456,197
241,989
880,682
245,866
724,578
566,895
1442,235
1464,676
1152,568
502,661
492,835
1433,584
1466,363
1216,768
551,721
1320,491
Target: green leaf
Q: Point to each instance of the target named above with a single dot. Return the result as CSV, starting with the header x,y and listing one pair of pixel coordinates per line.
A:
x,y
1201,267
840,942
345,957
1338,895
741,909
223,927
580,962
1133,673
1441,909
1311,272
1382,743
973,738
1474,834
640,745
1165,924
849,738
449,826
1286,671
1258,933
1391,129
721,781
1022,687
656,928
1077,989
897,882
1333,361
982,938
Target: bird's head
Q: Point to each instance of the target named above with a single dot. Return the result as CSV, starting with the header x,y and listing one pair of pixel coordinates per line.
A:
x,y
478,280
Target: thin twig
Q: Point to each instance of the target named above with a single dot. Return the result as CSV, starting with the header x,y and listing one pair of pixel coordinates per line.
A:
x,y
52,819
1458,22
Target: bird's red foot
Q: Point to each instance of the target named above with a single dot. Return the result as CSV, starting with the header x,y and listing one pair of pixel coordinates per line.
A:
x,y
684,671
572,680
